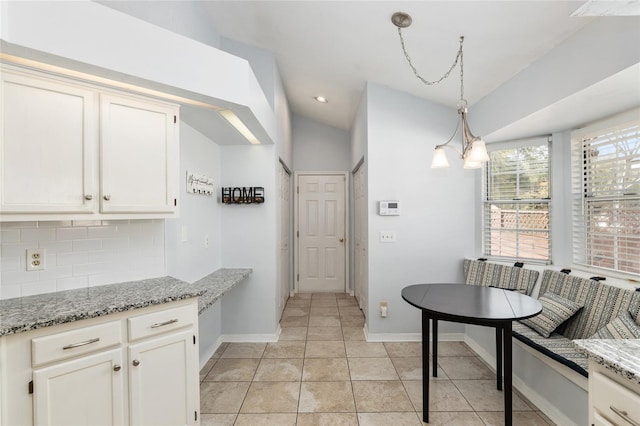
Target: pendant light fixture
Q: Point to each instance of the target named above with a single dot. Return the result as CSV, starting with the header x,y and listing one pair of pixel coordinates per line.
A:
x,y
474,150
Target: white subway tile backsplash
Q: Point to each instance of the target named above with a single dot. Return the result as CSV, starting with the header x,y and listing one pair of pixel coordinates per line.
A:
x,y
79,254
71,233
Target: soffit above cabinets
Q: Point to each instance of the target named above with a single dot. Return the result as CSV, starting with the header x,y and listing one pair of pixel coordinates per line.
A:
x,y
99,43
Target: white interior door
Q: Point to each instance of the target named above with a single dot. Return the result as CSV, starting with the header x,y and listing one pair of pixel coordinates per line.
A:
x,y
321,233
285,226
360,236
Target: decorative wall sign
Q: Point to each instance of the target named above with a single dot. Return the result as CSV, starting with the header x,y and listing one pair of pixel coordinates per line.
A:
x,y
199,184
244,195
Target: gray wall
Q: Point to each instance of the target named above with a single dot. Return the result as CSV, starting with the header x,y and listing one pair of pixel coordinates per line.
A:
x,y
318,147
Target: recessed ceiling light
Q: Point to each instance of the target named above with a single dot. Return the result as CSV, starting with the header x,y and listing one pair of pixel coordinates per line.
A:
x,y
321,99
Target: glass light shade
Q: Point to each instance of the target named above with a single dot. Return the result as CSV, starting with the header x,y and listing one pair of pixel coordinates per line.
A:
x,y
478,152
439,159
469,164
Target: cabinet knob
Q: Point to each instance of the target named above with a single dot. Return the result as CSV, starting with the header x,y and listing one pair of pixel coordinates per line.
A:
x,y
136,363
88,197
107,197
116,367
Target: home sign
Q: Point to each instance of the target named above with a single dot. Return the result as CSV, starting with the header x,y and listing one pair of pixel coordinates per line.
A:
x,y
243,195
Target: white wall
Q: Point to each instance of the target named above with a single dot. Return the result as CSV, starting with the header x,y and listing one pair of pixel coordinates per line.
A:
x,y
249,240
318,147
435,229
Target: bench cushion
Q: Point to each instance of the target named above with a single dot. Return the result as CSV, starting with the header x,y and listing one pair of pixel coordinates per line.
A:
x,y
622,327
555,346
601,302
483,273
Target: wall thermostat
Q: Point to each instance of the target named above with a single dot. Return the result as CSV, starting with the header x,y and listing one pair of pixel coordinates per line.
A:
x,y
389,208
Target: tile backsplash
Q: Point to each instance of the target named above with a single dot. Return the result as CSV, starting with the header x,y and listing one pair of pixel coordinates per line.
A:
x,y
79,254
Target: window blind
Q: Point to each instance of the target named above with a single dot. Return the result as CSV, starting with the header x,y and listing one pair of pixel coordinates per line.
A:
x,y
517,200
606,194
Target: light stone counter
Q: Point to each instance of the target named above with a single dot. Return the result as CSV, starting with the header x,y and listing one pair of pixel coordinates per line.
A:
x,y
44,310
622,356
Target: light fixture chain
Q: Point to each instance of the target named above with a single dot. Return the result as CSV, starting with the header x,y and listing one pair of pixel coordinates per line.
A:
x,y
415,71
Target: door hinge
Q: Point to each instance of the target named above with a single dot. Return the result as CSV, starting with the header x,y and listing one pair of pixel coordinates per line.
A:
x,y
175,202
297,189
175,119
31,387
194,339
195,415
298,234
298,277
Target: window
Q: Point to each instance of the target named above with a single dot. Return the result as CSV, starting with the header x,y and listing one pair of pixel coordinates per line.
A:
x,y
606,194
517,200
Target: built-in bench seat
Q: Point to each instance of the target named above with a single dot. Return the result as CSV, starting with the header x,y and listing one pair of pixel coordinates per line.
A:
x,y
601,304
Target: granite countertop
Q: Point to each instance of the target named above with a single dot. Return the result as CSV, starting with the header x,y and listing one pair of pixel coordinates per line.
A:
x,y
44,310
621,356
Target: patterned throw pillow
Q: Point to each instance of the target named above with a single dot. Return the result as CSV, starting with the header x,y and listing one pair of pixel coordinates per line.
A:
x,y
634,309
622,327
555,311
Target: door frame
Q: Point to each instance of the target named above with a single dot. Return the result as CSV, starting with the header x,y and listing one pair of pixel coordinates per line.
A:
x,y
296,224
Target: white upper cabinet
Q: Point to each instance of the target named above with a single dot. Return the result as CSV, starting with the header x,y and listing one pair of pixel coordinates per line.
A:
x,y
138,156
70,150
48,136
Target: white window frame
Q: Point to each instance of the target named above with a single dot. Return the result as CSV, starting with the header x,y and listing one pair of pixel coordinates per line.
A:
x,y
499,146
580,251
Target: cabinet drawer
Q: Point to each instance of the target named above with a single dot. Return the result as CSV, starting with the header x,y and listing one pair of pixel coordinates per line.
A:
x,y
59,346
610,396
160,322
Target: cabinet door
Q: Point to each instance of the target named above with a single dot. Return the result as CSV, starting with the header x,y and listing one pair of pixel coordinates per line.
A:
x,y
85,391
163,380
139,156
48,133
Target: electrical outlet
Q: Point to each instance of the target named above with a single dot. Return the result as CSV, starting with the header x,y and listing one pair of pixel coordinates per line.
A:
x,y
35,259
383,309
388,236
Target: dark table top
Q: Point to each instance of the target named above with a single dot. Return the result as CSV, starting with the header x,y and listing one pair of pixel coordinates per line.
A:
x,y
463,302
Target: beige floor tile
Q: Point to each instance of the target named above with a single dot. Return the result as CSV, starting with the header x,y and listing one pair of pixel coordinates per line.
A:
x,y
293,333
360,349
271,397
284,350
294,322
381,396
410,368
207,367
217,419
386,419
352,321
465,367
483,396
326,397
279,370
324,303
460,418
222,397
372,369
324,311
325,349
233,370
269,419
295,311
298,303
353,333
220,350
327,419
545,418
347,301
403,349
325,370
443,396
324,321
244,350
520,418
454,349
321,296
301,296
347,311
324,333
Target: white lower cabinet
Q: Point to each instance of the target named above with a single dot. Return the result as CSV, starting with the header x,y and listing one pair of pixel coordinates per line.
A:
x,y
131,368
161,375
85,391
613,400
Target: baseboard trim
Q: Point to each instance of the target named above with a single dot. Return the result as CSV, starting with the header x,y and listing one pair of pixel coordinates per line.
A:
x,y
409,337
210,351
542,403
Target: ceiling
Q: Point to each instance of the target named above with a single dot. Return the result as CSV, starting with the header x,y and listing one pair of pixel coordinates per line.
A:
x,y
332,48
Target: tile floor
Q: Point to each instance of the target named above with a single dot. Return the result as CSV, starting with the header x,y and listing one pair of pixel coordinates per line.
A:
x,y
323,372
